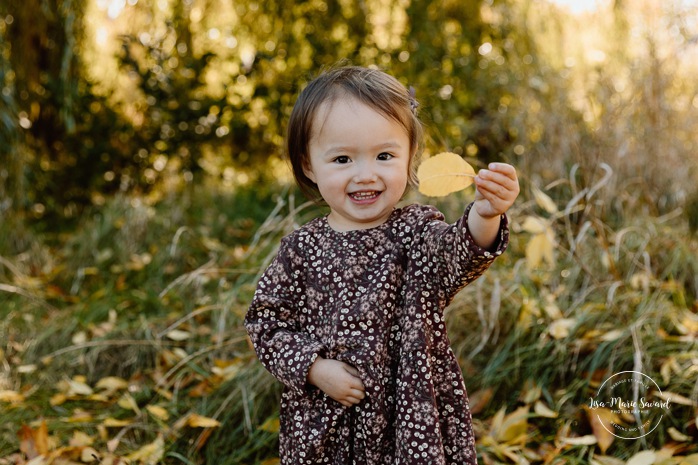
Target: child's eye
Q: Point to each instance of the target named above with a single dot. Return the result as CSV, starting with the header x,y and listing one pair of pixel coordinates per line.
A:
x,y
342,159
385,156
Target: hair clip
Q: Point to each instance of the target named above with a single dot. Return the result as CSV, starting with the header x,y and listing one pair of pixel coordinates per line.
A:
x,y
413,101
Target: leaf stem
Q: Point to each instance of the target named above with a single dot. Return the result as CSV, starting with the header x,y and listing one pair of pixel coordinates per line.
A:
x,y
469,175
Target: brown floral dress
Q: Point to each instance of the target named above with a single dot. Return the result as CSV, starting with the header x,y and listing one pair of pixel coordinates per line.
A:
x,y
374,299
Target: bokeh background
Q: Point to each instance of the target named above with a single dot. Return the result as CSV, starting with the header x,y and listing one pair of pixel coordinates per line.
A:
x,y
143,188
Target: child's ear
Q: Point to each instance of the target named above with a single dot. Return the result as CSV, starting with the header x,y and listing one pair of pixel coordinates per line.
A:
x,y
308,171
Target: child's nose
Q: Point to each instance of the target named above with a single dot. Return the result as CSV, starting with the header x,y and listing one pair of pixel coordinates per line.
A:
x,y
365,174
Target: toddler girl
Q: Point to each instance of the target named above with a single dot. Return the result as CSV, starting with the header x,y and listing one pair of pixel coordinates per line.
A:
x,y
349,315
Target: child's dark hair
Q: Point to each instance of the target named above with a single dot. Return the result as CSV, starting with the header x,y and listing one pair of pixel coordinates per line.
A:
x,y
372,87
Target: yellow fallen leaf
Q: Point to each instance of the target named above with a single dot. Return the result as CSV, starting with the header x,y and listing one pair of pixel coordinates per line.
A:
x,y
114,423
530,392
646,457
443,174
129,403
271,462
513,427
150,454
158,412
602,422
178,335
78,387
27,369
11,396
560,329
677,435
111,384
79,338
588,440
81,439
675,398
543,410
79,416
58,399
271,425
198,421
89,455
612,335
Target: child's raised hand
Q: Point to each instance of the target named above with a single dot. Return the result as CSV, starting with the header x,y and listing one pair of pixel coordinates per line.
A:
x,y
497,188
338,380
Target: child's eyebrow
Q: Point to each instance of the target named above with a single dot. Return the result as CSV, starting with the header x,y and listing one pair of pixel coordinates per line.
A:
x,y
354,148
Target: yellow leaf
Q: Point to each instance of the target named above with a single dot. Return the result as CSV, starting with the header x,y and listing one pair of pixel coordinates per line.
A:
x,y
560,329
271,462
58,399
178,335
513,427
81,439
588,440
271,425
78,387
534,225
158,412
79,416
111,384
677,435
27,369
646,457
544,201
543,410
530,392
150,454
227,369
88,455
601,420
129,403
675,398
11,396
198,421
443,174
612,335
114,423
79,338
540,247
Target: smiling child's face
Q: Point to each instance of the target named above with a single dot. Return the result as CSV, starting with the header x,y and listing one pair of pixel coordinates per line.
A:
x,y
359,160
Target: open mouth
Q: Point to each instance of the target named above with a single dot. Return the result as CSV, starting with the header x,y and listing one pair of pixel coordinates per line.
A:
x,y
363,196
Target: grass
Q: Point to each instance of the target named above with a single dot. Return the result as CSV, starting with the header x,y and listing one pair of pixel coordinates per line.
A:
x,y
155,295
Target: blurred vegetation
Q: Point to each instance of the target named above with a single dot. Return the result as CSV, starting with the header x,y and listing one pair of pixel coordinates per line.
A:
x,y
143,189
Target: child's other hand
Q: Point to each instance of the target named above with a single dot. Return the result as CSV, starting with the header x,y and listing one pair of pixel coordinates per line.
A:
x,y
338,380
497,188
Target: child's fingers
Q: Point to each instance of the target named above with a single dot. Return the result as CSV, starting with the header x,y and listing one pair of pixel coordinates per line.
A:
x,y
504,168
356,382
353,371
496,178
493,190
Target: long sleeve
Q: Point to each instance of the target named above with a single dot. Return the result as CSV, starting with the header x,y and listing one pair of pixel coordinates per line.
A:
x,y
451,248
273,321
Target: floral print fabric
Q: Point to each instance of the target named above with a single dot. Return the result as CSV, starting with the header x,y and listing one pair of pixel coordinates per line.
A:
x,y
374,299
